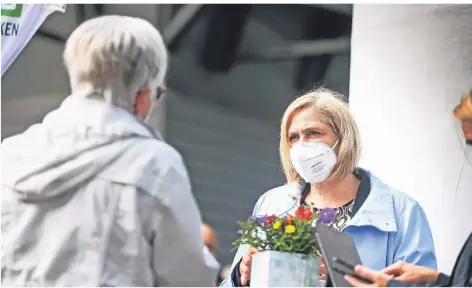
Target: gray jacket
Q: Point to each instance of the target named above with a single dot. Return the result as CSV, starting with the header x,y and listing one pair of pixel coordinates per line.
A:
x,y
91,198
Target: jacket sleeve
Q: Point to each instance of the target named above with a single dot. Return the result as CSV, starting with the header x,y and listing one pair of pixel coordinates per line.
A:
x,y
233,280
414,241
177,245
442,281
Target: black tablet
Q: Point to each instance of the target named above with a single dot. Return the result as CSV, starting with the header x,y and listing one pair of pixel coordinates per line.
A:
x,y
340,254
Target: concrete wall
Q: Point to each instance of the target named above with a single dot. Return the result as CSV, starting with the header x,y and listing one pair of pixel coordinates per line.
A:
x,y
232,160
259,89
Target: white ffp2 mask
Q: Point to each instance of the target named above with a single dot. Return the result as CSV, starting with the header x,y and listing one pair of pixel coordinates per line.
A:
x,y
313,161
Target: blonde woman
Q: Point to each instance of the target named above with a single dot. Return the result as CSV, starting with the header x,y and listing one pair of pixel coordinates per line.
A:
x,y
319,150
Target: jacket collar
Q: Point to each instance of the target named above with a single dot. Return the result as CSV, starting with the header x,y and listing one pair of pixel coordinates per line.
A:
x,y
99,117
376,206
373,204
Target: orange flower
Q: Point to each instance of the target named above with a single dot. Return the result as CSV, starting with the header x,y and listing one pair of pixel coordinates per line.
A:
x,y
288,220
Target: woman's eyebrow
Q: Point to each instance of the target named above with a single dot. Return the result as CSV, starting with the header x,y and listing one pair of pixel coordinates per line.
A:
x,y
306,129
314,127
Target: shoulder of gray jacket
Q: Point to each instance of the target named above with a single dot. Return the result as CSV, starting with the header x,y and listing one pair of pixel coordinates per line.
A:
x,y
148,164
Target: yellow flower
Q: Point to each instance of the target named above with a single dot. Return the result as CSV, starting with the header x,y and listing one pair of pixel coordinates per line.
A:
x,y
277,224
289,229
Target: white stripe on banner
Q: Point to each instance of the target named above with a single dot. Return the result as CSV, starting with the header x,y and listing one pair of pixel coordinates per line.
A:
x,y
19,23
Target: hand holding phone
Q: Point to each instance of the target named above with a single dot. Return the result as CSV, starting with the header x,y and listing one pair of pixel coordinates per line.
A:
x,y
336,244
345,268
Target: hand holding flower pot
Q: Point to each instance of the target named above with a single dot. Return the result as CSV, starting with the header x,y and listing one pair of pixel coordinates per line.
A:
x,y
289,253
245,266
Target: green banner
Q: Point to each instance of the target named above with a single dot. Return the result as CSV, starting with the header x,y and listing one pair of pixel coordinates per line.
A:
x,y
19,23
12,10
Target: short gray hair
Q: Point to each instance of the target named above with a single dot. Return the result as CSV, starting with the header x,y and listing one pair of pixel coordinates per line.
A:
x,y
118,53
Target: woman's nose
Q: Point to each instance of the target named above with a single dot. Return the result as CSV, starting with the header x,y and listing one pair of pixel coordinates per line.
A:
x,y
302,137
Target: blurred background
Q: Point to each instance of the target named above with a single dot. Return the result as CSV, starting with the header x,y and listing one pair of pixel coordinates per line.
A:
x,y
233,71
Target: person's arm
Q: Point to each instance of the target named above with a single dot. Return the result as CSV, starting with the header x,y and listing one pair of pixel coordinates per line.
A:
x,y
414,241
443,280
177,246
383,279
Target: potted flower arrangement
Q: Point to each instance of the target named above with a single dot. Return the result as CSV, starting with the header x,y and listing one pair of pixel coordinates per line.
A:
x,y
288,251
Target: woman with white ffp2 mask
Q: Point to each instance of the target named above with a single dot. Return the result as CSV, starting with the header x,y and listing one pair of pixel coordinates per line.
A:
x,y
320,150
314,161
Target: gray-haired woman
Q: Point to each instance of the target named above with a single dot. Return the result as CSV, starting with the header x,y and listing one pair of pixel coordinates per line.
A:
x,y
90,197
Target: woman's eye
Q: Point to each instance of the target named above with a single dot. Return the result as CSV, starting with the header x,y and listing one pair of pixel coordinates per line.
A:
x,y
313,133
293,138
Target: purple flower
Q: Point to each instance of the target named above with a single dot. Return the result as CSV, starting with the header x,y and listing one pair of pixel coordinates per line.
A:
x,y
326,216
261,220
240,231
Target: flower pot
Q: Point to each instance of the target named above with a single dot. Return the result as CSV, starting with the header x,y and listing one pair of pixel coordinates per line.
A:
x,y
277,269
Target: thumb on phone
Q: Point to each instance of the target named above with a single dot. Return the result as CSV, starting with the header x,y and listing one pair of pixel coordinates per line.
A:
x,y
395,269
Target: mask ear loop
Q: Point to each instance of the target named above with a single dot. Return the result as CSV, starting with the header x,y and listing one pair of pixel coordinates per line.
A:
x,y
335,143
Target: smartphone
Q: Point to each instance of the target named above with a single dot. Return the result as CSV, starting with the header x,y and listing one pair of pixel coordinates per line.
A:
x,y
336,244
345,268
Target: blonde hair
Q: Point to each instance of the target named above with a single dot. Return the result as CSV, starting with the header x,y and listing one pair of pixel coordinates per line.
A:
x,y
464,110
335,113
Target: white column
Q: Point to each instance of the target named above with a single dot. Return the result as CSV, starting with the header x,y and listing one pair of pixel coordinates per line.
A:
x,y
409,66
